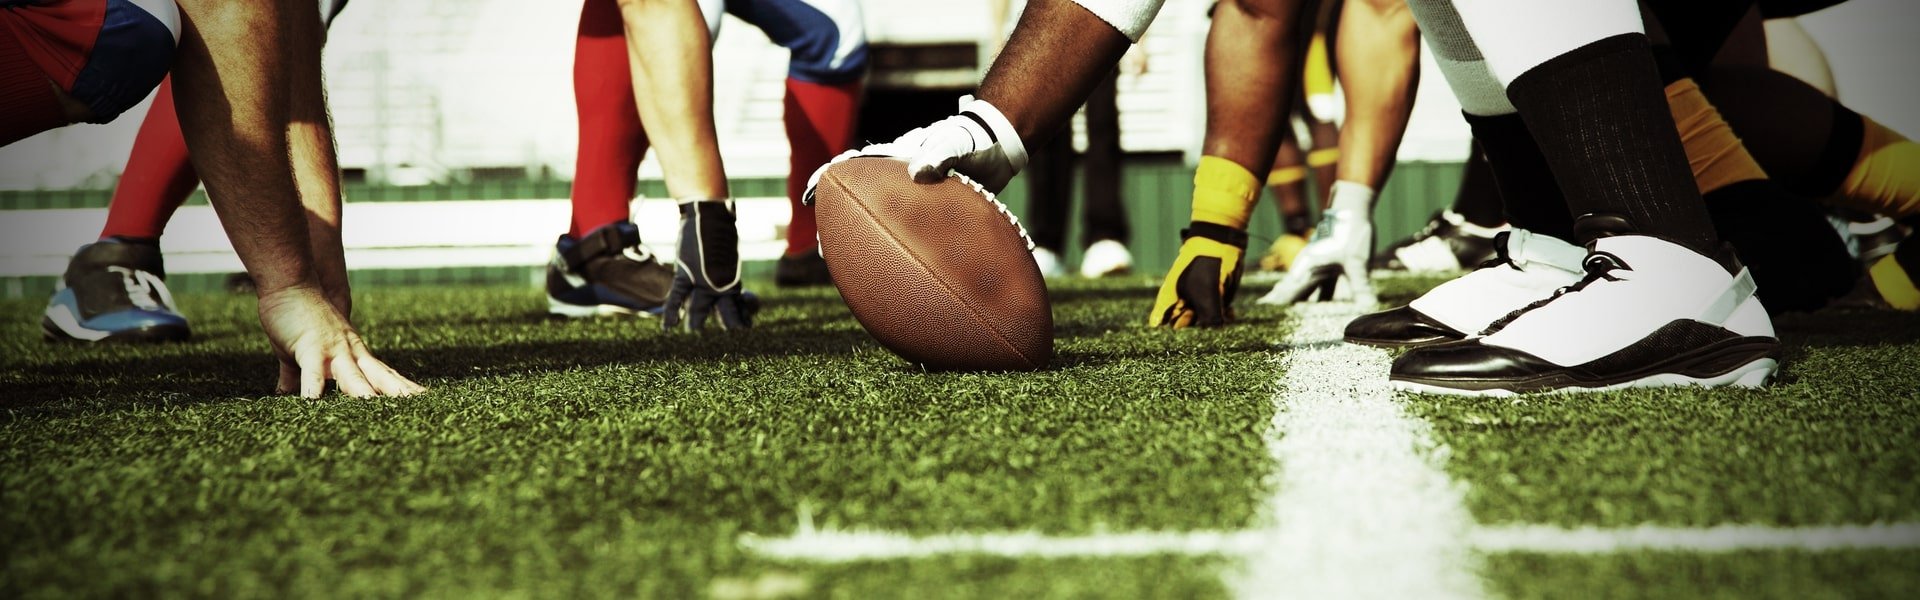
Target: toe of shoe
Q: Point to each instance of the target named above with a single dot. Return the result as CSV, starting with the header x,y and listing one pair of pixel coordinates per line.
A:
x,y
1399,327
1469,364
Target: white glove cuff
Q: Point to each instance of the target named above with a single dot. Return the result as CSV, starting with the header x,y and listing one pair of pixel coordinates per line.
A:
x,y
1000,128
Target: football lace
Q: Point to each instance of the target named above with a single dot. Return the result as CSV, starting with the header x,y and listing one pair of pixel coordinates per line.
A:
x,y
990,196
997,205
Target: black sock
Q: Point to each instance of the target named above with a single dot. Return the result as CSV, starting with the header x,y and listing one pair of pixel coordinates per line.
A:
x,y
1529,195
1478,200
1797,260
1600,116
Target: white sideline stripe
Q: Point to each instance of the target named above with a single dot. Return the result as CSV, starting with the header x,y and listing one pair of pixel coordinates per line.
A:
x,y
1362,507
383,235
831,546
1722,538
828,546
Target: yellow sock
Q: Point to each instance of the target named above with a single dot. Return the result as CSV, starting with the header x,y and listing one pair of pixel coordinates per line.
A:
x,y
1886,177
1286,175
1316,76
1224,192
1323,157
1895,286
1715,153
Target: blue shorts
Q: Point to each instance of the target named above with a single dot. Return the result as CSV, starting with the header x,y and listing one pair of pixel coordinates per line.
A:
x,y
828,38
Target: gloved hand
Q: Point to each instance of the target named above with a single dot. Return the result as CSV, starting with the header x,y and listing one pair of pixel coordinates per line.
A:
x,y
1199,289
706,278
1341,245
979,143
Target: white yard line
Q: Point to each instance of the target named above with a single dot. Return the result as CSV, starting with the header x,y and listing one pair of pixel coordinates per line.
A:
x,y
1361,505
1722,538
832,546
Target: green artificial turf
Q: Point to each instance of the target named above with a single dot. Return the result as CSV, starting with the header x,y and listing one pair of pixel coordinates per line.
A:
x,y
1784,574
1836,441
605,457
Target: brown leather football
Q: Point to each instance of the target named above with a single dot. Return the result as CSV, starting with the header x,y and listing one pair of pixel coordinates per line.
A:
x,y
938,273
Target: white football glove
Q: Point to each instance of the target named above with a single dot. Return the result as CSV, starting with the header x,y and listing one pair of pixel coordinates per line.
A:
x,y
979,142
1338,254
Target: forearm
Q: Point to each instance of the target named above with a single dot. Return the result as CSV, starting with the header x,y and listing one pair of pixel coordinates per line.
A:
x,y
675,96
1058,53
1379,64
233,109
315,169
1251,78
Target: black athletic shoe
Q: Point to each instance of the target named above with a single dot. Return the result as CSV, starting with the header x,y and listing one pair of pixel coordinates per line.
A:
x,y
1448,243
606,272
801,270
114,290
1649,313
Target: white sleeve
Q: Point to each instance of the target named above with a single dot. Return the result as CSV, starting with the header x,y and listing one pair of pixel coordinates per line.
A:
x,y
1131,17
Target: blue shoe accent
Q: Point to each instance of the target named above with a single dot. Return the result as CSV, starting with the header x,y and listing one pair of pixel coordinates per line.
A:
x,y
62,321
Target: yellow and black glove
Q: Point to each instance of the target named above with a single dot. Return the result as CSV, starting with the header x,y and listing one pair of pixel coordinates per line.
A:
x,y
1199,289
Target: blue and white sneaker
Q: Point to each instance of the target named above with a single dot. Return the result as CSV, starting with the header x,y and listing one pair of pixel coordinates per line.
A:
x,y
114,290
606,272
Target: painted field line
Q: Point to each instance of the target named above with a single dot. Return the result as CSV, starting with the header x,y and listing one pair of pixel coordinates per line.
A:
x,y
831,546
1361,504
1723,538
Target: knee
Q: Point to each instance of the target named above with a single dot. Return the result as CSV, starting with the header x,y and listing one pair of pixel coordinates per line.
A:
x,y
130,57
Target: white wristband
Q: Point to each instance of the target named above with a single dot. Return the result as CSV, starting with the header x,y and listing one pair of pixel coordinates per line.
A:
x,y
1131,17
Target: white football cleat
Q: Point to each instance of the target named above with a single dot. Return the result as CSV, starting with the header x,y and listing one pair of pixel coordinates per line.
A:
x,y
1648,313
1049,263
1526,268
1105,258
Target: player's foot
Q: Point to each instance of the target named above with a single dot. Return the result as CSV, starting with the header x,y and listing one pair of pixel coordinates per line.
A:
x,y
1526,268
1050,266
1281,254
114,290
1336,258
606,272
1448,243
1106,258
1648,313
801,270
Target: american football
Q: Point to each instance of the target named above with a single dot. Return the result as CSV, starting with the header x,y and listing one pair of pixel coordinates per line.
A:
x,y
938,273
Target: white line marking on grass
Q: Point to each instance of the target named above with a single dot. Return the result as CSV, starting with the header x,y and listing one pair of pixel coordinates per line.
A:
x,y
1723,538
854,546
834,546
1361,505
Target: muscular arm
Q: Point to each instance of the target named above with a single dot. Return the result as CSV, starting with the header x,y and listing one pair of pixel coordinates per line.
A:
x,y
1058,52
231,90
233,113
1251,77
316,173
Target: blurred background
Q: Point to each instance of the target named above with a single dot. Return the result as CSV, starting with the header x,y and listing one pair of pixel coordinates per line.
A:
x,y
459,114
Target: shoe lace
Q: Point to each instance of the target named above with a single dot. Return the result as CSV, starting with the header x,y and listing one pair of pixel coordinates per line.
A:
x,y
1598,266
140,288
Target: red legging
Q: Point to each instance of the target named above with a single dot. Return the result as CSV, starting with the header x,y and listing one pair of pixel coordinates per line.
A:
x,y
819,122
